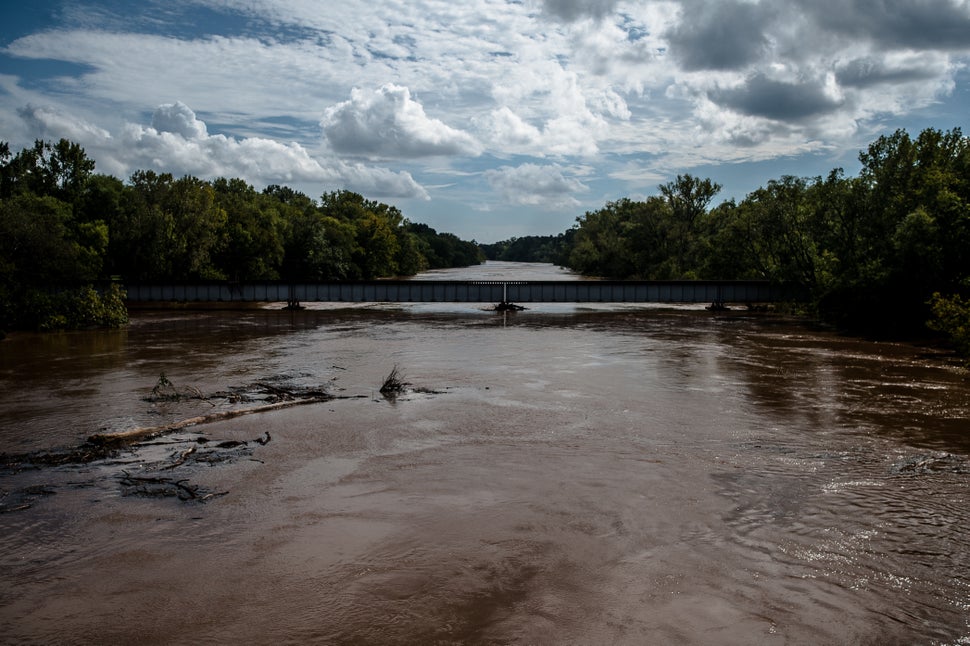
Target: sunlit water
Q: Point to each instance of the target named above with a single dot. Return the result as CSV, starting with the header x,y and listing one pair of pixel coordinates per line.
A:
x,y
562,475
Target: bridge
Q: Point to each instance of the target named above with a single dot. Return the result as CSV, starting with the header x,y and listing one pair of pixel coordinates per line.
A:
x,y
502,292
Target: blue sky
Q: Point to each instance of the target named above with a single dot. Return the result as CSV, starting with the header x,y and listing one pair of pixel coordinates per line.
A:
x,y
484,118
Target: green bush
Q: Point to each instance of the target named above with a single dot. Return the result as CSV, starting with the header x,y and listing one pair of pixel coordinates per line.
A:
x,y
73,309
951,315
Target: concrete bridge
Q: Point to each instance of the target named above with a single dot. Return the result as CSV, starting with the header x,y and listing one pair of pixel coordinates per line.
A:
x,y
474,291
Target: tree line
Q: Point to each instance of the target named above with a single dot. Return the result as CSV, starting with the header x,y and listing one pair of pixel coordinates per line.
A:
x,y
62,225
883,251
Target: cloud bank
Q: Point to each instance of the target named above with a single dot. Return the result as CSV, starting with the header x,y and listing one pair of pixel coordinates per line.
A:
x,y
377,94
547,187
178,142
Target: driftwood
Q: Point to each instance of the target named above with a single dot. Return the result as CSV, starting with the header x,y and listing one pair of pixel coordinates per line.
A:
x,y
102,446
163,487
165,390
149,432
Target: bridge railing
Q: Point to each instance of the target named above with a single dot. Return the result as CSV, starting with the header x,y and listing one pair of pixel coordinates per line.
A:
x,y
481,291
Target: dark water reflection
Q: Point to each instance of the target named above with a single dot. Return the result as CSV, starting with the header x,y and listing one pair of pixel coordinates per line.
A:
x,y
564,475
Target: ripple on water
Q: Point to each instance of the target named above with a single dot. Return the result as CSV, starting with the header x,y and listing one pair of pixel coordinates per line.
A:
x,y
581,477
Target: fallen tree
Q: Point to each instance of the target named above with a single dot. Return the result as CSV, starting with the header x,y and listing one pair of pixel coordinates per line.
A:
x,y
143,433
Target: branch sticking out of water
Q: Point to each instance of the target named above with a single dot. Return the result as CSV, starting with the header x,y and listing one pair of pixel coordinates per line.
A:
x,y
394,383
165,390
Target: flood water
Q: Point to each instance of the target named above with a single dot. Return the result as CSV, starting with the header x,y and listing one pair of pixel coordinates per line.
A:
x,y
563,475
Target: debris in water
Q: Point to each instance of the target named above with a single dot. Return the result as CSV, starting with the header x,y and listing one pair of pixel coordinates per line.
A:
x,y
394,383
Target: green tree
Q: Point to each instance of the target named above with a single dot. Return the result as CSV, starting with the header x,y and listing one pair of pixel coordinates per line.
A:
x,y
253,246
911,215
376,246
36,243
102,204
198,228
951,316
777,224
650,230
601,246
50,169
315,246
139,245
688,197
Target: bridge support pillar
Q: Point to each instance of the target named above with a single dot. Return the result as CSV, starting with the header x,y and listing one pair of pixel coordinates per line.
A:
x,y
718,304
292,302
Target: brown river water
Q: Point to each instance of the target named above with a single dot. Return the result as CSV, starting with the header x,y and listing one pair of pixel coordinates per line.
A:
x,y
567,474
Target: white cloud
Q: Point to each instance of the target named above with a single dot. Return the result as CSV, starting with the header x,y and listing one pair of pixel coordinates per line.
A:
x,y
179,119
178,142
388,123
510,131
49,123
569,85
547,187
428,84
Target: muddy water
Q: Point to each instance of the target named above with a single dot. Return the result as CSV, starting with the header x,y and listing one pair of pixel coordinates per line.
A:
x,y
563,475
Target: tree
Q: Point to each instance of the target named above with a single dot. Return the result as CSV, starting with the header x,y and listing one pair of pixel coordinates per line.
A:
x,y
315,247
52,169
688,197
101,204
36,243
377,246
777,224
912,220
601,246
376,226
253,246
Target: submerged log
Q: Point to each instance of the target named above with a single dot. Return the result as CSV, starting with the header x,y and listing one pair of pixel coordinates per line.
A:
x,y
148,432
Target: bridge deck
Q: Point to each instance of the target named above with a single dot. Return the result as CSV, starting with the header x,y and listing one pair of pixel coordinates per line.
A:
x,y
441,291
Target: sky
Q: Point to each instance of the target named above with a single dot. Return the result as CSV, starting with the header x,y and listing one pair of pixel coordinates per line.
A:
x,y
489,119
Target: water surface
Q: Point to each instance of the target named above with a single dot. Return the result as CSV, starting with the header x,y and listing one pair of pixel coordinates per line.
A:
x,y
562,475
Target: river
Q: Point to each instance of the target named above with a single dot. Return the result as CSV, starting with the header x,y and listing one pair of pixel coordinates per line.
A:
x,y
567,474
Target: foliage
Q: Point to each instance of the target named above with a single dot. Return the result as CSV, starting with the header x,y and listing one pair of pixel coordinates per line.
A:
x,y
871,249
443,250
951,316
68,309
63,226
551,249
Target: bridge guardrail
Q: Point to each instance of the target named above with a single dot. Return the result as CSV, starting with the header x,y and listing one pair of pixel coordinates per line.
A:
x,y
473,291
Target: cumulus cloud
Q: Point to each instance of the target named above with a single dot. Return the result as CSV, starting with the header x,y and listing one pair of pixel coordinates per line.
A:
x,y
721,35
682,81
179,119
178,142
509,129
534,185
46,122
388,123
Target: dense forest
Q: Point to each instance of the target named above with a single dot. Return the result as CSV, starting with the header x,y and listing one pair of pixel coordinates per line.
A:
x,y
884,251
887,250
553,249
64,226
